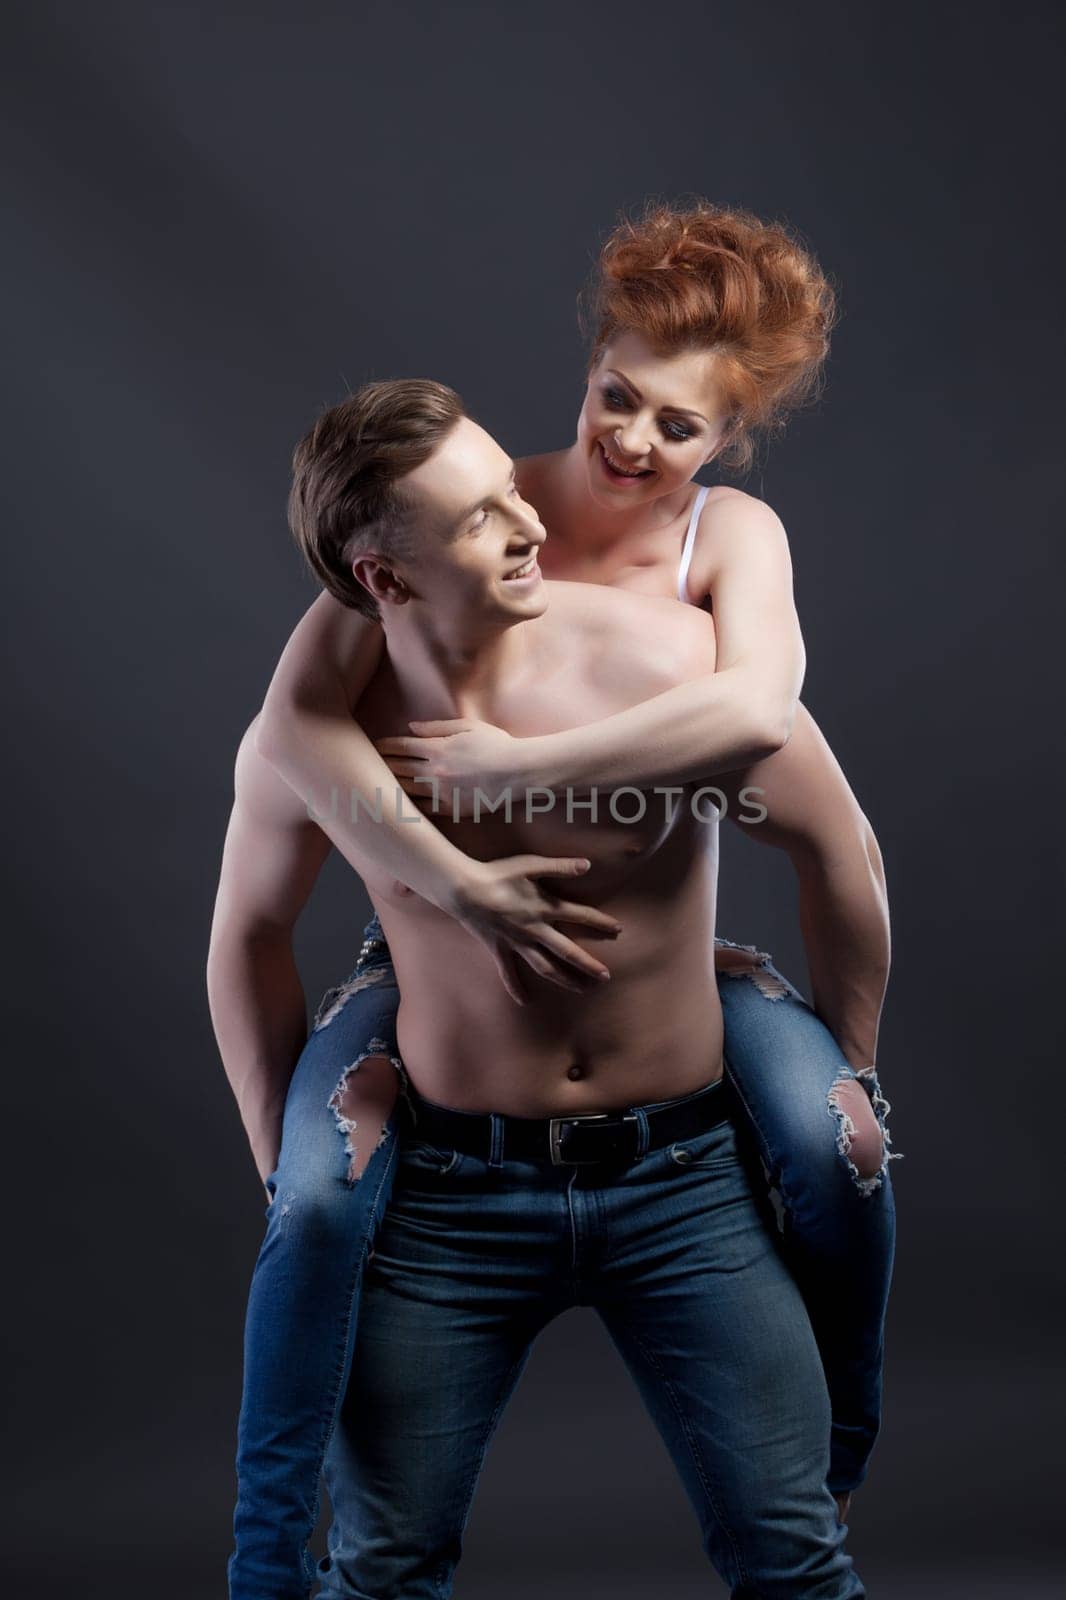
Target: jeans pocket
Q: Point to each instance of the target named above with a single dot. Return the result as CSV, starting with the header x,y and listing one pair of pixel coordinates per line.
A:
x,y
716,1147
428,1158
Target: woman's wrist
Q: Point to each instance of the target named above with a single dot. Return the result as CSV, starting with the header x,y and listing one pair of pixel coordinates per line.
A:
x,y
457,886
533,764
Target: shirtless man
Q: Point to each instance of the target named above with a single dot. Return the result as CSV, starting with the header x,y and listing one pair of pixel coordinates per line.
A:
x,y
577,1148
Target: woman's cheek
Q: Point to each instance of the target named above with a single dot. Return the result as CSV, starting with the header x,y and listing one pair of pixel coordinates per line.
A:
x,y
590,423
689,463
675,469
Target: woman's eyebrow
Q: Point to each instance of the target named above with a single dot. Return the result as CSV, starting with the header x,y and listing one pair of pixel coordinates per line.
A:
x,y
681,411
634,391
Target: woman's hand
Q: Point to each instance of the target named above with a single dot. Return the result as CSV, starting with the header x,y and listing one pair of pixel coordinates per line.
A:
x,y
501,904
443,762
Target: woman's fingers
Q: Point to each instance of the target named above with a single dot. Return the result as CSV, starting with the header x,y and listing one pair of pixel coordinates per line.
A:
x,y
402,745
550,866
568,951
510,977
550,970
585,916
442,726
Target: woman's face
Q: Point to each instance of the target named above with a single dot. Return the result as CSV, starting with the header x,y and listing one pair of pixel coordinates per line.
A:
x,y
649,421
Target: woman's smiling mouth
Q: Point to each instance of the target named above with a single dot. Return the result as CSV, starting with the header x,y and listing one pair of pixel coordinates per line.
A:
x,y
618,472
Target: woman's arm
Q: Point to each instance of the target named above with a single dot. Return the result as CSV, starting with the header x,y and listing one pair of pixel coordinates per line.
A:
x,y
307,731
738,714
812,814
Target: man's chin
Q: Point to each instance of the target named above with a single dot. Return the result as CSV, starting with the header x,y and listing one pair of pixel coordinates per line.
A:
x,y
526,606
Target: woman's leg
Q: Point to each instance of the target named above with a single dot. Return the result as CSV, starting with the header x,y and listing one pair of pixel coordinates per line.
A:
x,y
330,1188
819,1130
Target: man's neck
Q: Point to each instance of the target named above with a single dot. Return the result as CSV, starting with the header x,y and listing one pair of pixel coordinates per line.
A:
x,y
446,670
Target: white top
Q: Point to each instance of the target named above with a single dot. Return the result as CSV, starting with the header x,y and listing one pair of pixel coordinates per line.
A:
x,y
690,541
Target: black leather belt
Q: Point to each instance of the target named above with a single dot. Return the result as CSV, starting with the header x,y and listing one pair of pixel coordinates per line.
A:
x,y
577,1140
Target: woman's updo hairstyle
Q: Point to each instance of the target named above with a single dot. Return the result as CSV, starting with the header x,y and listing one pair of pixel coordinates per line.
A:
x,y
716,279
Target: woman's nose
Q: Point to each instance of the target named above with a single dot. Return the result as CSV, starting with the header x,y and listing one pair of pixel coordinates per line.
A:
x,y
632,439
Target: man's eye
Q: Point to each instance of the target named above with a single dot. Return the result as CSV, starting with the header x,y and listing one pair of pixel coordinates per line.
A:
x,y
676,430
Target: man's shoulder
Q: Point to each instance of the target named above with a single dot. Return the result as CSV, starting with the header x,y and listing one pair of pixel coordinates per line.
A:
x,y
619,628
599,605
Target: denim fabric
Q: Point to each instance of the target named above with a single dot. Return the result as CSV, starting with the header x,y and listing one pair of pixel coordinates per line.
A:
x,y
302,1306
839,1234
674,1254
301,1318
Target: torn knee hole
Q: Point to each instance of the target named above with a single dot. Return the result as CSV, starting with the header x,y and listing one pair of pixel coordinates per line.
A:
x,y
859,1136
362,1101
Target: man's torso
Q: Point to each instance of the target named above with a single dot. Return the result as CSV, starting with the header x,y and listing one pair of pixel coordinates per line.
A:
x,y
654,1030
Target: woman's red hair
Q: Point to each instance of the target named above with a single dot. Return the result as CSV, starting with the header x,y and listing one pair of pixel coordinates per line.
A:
x,y
718,279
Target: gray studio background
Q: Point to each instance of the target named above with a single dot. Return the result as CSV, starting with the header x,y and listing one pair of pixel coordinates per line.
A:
x,y
222,216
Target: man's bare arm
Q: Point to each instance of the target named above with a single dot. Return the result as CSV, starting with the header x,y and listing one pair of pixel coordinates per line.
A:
x,y
815,818
307,730
272,857
309,733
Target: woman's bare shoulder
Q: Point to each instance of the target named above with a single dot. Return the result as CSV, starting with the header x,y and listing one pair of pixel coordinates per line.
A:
x,y
727,507
737,529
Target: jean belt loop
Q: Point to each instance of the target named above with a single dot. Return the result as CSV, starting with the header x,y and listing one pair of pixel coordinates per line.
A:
x,y
496,1140
643,1134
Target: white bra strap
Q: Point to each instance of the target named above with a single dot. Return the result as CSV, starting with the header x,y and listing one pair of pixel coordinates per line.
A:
x,y
690,541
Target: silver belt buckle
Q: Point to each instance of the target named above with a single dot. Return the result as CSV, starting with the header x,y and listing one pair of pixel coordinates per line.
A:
x,y
555,1137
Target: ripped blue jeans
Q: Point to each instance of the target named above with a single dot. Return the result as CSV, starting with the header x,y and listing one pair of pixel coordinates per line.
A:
x,y
836,1230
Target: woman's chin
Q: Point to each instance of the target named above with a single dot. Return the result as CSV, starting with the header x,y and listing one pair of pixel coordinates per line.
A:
x,y
616,497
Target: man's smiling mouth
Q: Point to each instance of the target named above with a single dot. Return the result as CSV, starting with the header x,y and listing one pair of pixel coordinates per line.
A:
x,y
525,571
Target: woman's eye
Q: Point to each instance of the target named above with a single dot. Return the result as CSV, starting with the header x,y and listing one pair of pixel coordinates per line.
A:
x,y
615,399
675,430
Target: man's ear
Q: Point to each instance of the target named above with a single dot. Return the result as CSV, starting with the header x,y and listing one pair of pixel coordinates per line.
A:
x,y
380,580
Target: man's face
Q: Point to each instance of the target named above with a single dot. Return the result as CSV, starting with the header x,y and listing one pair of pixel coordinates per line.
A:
x,y
478,539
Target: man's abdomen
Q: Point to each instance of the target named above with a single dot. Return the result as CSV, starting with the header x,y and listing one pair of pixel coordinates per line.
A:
x,y
652,1031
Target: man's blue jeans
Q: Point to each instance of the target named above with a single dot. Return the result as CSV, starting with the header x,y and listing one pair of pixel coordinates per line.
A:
x,y
673,1252
304,1298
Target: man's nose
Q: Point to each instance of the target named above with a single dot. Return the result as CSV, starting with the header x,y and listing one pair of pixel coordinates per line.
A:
x,y
532,529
